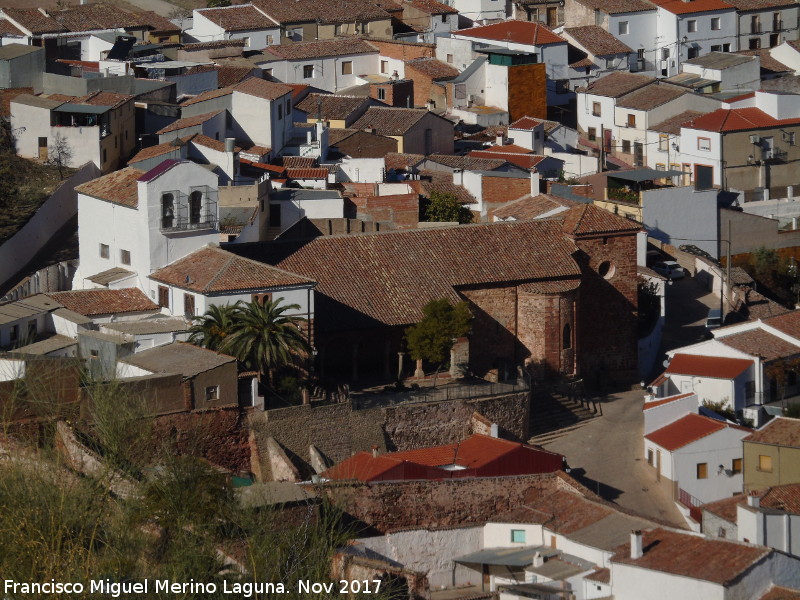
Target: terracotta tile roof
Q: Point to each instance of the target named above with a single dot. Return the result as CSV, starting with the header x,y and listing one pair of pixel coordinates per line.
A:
x,y
101,98
95,302
586,219
526,123
156,23
618,84
597,40
118,187
738,119
696,557
34,20
758,342
788,323
468,162
688,430
330,106
518,32
315,173
433,68
256,149
228,75
401,162
199,46
209,142
777,592
238,18
531,207
673,124
209,95
759,4
583,62
613,7
297,162
679,7
475,453
330,11
7,95
783,497
725,508
421,265
522,160
93,17
768,63
600,575
159,150
442,182
360,144
781,431
432,7
649,405
189,122
7,28
651,96
717,367
566,512
212,270
261,88
337,47
390,121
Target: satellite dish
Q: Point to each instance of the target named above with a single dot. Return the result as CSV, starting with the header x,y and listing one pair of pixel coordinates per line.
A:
x,y
666,362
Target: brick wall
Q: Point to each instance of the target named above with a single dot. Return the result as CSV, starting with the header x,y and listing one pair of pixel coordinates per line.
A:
x,y
399,210
338,431
499,190
492,343
444,503
396,93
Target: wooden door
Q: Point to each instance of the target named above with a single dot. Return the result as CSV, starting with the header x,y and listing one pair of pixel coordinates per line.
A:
x,y
552,16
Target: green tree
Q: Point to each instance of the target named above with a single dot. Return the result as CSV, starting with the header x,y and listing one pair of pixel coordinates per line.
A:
x,y
432,338
445,208
264,338
210,329
218,3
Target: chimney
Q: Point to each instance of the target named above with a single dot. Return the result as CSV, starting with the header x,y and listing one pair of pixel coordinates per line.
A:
x,y
499,140
375,451
535,182
754,500
636,544
538,559
230,144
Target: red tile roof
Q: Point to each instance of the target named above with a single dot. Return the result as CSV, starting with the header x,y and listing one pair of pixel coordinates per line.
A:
x,y
118,187
329,106
261,88
758,342
336,47
526,123
518,32
34,20
188,122
693,556
679,7
525,161
618,84
96,302
788,323
777,592
390,121
614,7
238,18
431,67
531,207
648,405
781,431
716,367
432,7
687,430
158,150
315,173
473,455
213,270
597,41
331,11
738,119
586,219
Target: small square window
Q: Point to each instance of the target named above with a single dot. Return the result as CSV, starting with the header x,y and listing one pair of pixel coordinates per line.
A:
x,y
626,146
308,71
736,465
715,24
663,141
517,536
623,28
765,463
93,354
704,144
104,251
212,393
280,111
381,93
450,59
631,120
385,64
702,470
691,26
595,109
125,257
347,67
592,134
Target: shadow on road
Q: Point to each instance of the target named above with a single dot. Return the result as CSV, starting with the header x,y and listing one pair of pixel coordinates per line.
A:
x,y
605,491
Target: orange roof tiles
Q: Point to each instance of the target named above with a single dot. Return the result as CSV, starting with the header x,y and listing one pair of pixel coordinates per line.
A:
x,y
95,302
586,219
687,430
525,160
238,18
781,431
518,32
777,592
737,119
648,405
531,207
213,270
261,88
716,367
316,173
758,342
189,122
118,187
696,557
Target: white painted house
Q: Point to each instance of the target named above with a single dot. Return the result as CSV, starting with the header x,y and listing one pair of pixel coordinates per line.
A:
x,y
239,22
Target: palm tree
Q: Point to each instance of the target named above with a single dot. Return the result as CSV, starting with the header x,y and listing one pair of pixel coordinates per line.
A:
x,y
211,329
263,338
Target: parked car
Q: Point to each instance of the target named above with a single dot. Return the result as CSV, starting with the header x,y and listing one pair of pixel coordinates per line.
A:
x,y
669,269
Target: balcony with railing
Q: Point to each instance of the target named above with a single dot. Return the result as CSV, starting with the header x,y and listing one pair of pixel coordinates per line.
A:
x,y
195,211
692,503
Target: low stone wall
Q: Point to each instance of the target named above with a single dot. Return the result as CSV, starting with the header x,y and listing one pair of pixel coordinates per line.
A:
x,y
338,431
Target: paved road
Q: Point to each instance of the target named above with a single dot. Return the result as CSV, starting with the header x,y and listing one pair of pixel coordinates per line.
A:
x,y
606,454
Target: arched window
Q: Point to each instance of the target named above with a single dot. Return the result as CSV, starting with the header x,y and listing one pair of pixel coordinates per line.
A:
x,y
195,206
167,211
566,342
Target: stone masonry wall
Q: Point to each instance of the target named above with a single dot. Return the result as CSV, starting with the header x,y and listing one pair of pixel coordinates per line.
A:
x,y
433,504
338,431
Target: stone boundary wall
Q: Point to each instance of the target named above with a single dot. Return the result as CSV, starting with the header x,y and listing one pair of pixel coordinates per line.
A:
x,y
338,431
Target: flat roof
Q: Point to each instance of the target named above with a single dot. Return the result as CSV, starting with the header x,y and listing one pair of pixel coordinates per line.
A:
x,y
185,359
646,174
82,109
505,557
719,60
47,345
